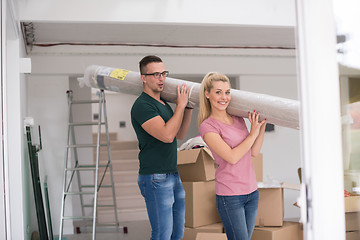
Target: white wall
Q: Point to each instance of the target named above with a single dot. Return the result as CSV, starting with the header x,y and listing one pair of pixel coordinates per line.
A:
x,y
47,104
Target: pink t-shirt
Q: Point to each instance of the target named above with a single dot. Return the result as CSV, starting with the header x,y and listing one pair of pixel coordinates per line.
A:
x,y
231,179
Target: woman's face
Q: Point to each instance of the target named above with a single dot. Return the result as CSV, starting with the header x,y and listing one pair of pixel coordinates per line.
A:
x,y
219,95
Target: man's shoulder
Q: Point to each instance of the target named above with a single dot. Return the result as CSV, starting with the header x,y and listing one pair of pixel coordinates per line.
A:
x,y
143,106
140,97
142,100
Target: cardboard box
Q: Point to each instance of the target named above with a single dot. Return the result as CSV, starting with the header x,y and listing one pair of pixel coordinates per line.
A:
x,y
200,204
352,213
196,165
352,221
211,236
271,207
190,233
258,167
352,204
354,235
292,186
289,231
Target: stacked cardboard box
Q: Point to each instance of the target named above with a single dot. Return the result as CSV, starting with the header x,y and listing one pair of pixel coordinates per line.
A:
x,y
196,165
211,236
288,230
352,217
270,224
197,171
271,207
200,202
191,233
353,235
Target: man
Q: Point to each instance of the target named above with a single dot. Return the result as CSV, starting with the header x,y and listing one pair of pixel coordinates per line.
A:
x,y
157,127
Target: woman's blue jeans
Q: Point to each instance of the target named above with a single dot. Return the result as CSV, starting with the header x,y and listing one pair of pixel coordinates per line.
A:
x,y
238,214
165,202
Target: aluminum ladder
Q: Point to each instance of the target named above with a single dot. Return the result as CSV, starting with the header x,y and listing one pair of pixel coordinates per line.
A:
x,y
75,167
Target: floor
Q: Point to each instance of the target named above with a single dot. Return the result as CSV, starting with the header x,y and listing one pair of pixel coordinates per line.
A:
x,y
136,230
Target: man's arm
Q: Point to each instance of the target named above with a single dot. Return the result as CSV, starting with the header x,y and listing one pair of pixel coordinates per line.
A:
x,y
185,123
166,132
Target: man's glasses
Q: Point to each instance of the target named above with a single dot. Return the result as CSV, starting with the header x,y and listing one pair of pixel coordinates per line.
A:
x,y
157,74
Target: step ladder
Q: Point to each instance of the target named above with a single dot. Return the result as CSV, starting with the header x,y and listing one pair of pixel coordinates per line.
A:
x,y
75,167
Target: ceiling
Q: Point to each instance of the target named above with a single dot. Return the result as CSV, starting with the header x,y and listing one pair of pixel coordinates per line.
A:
x,y
146,34
259,39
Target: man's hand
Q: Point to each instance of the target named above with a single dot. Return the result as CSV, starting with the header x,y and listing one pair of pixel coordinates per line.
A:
x,y
182,96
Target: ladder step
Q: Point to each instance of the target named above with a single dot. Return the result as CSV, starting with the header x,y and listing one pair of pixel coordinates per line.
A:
x,y
85,123
78,193
86,145
77,217
92,166
85,102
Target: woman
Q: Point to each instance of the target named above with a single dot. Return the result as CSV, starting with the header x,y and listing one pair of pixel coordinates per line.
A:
x,y
232,147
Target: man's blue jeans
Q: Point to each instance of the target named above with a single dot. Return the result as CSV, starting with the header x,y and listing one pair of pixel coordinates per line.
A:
x,y
165,202
238,214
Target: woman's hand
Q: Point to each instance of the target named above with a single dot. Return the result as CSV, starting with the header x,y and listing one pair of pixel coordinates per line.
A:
x,y
255,124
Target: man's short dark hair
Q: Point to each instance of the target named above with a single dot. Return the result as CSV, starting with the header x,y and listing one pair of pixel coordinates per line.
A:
x,y
146,60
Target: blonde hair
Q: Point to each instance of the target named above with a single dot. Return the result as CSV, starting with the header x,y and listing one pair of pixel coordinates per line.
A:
x,y
206,85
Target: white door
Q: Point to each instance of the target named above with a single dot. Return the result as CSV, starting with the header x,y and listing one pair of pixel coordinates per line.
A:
x,y
320,122
2,186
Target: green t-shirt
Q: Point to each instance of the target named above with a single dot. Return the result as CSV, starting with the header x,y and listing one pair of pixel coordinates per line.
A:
x,y
155,156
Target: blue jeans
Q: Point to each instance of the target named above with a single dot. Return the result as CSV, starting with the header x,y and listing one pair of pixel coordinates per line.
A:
x,y
238,214
165,202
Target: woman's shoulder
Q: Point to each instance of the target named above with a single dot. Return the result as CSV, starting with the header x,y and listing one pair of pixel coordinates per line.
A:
x,y
208,124
207,120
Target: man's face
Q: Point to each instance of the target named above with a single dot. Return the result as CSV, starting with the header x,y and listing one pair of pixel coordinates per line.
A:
x,y
150,81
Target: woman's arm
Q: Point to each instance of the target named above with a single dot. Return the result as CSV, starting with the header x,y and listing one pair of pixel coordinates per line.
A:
x,y
258,142
221,148
233,155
